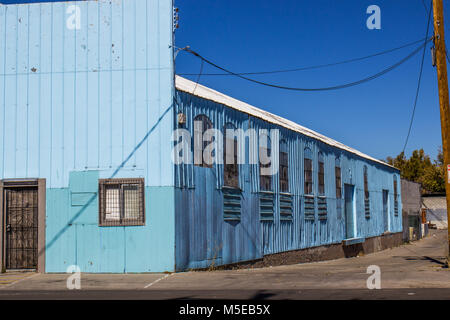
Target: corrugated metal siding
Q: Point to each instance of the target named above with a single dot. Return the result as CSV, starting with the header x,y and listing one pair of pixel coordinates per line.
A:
x,y
203,237
84,99
252,238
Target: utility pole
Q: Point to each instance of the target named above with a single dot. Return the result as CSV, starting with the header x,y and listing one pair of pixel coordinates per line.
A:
x,y
441,66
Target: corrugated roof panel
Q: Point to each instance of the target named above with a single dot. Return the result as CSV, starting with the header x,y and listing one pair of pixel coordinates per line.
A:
x,y
201,91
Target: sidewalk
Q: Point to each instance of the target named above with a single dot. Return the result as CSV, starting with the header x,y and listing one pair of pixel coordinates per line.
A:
x,y
10,278
416,265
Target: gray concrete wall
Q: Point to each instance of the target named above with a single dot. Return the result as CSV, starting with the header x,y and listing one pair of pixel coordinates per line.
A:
x,y
411,209
322,253
411,197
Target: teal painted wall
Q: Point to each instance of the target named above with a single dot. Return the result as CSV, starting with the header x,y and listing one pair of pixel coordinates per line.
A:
x,y
73,236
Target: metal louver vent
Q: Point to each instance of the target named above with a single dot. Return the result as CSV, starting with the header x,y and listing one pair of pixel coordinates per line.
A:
x,y
266,204
367,207
286,207
309,207
322,207
231,204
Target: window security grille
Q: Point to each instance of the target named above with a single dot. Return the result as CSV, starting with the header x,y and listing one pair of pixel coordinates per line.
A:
x,y
366,194
201,124
230,158
321,175
308,176
395,197
121,202
265,180
337,171
338,183
284,167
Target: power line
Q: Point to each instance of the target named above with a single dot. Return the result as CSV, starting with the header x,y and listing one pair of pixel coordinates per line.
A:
x,y
198,78
419,80
342,86
425,6
311,67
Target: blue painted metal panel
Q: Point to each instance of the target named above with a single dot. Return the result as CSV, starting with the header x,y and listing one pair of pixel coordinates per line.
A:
x,y
252,238
73,236
60,251
81,104
88,98
97,102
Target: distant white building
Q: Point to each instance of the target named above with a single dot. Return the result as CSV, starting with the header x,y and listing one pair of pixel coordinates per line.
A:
x,y
436,206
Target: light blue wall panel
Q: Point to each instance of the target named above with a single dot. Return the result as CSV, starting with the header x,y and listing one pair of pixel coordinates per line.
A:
x,y
2,84
88,98
81,104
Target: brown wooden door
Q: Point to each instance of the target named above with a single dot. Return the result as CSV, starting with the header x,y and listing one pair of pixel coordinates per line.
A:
x,y
21,228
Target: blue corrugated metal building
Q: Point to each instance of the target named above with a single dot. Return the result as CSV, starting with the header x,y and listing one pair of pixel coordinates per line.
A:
x,y
88,107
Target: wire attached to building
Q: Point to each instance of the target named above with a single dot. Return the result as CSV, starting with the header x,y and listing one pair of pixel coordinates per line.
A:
x,y
419,80
342,86
310,67
198,78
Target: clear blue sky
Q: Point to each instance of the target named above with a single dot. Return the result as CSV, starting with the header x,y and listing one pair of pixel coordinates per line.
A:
x,y
259,35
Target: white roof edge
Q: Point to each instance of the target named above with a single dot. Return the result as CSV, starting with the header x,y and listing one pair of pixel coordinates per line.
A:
x,y
188,86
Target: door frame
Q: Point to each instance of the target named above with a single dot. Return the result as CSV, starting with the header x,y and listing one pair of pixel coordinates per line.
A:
x,y
353,206
22,183
386,215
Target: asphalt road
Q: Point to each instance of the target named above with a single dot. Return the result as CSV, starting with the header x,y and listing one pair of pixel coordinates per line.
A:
x,y
412,271
276,294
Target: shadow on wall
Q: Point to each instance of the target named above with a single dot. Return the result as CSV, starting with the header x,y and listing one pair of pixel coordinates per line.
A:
x,y
80,212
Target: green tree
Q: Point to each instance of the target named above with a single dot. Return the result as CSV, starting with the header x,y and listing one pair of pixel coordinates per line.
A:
x,y
419,168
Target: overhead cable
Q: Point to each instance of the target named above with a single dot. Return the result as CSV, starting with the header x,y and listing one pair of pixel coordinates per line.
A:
x,y
342,86
310,67
419,80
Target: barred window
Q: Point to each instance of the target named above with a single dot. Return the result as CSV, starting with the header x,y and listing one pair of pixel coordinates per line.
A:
x,y
230,160
321,175
265,180
308,171
366,193
201,125
284,167
395,197
366,184
121,202
337,172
